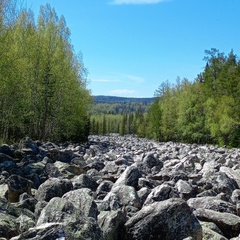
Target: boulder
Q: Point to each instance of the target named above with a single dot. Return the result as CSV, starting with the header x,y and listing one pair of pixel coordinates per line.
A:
x,y
16,186
28,146
77,230
160,193
84,201
126,195
212,203
8,226
6,149
74,224
185,190
24,222
151,163
27,201
112,224
223,183
228,223
210,234
233,174
103,189
129,177
59,210
69,170
84,181
53,187
3,190
171,219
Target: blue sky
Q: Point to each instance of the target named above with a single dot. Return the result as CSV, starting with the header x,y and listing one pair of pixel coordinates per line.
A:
x,y
131,46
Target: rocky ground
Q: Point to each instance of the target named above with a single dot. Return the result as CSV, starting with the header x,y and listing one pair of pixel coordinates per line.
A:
x,y
118,188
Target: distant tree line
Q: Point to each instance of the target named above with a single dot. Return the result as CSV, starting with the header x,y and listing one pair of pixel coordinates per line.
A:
x,y
42,81
125,123
114,99
119,107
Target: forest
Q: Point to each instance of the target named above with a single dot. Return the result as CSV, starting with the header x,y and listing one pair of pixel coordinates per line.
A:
x,y
44,95
43,90
206,110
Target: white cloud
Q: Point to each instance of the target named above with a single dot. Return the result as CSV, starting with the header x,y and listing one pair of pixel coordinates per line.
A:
x,y
135,78
119,2
122,92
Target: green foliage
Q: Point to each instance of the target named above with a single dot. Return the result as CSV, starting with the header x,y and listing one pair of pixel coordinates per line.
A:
x,y
119,115
119,105
204,111
43,89
131,123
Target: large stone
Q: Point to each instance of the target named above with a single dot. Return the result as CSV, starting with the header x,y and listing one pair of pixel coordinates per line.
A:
x,y
8,226
171,219
103,189
53,187
81,230
69,170
6,149
112,224
3,190
223,183
27,145
228,223
59,210
126,195
233,174
24,222
212,203
160,193
83,200
16,186
184,188
75,224
129,177
84,181
151,163
210,234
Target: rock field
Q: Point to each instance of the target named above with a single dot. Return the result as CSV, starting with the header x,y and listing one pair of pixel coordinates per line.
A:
x,y
118,188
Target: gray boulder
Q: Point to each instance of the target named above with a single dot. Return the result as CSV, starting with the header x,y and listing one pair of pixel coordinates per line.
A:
x,y
171,219
24,222
129,177
210,234
223,183
228,223
233,174
112,224
185,190
53,187
8,226
151,163
16,186
212,203
84,181
79,230
126,195
235,197
6,149
160,193
59,210
84,201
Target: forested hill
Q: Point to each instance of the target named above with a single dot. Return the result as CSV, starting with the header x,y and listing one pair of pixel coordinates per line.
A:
x,y
119,105
114,99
